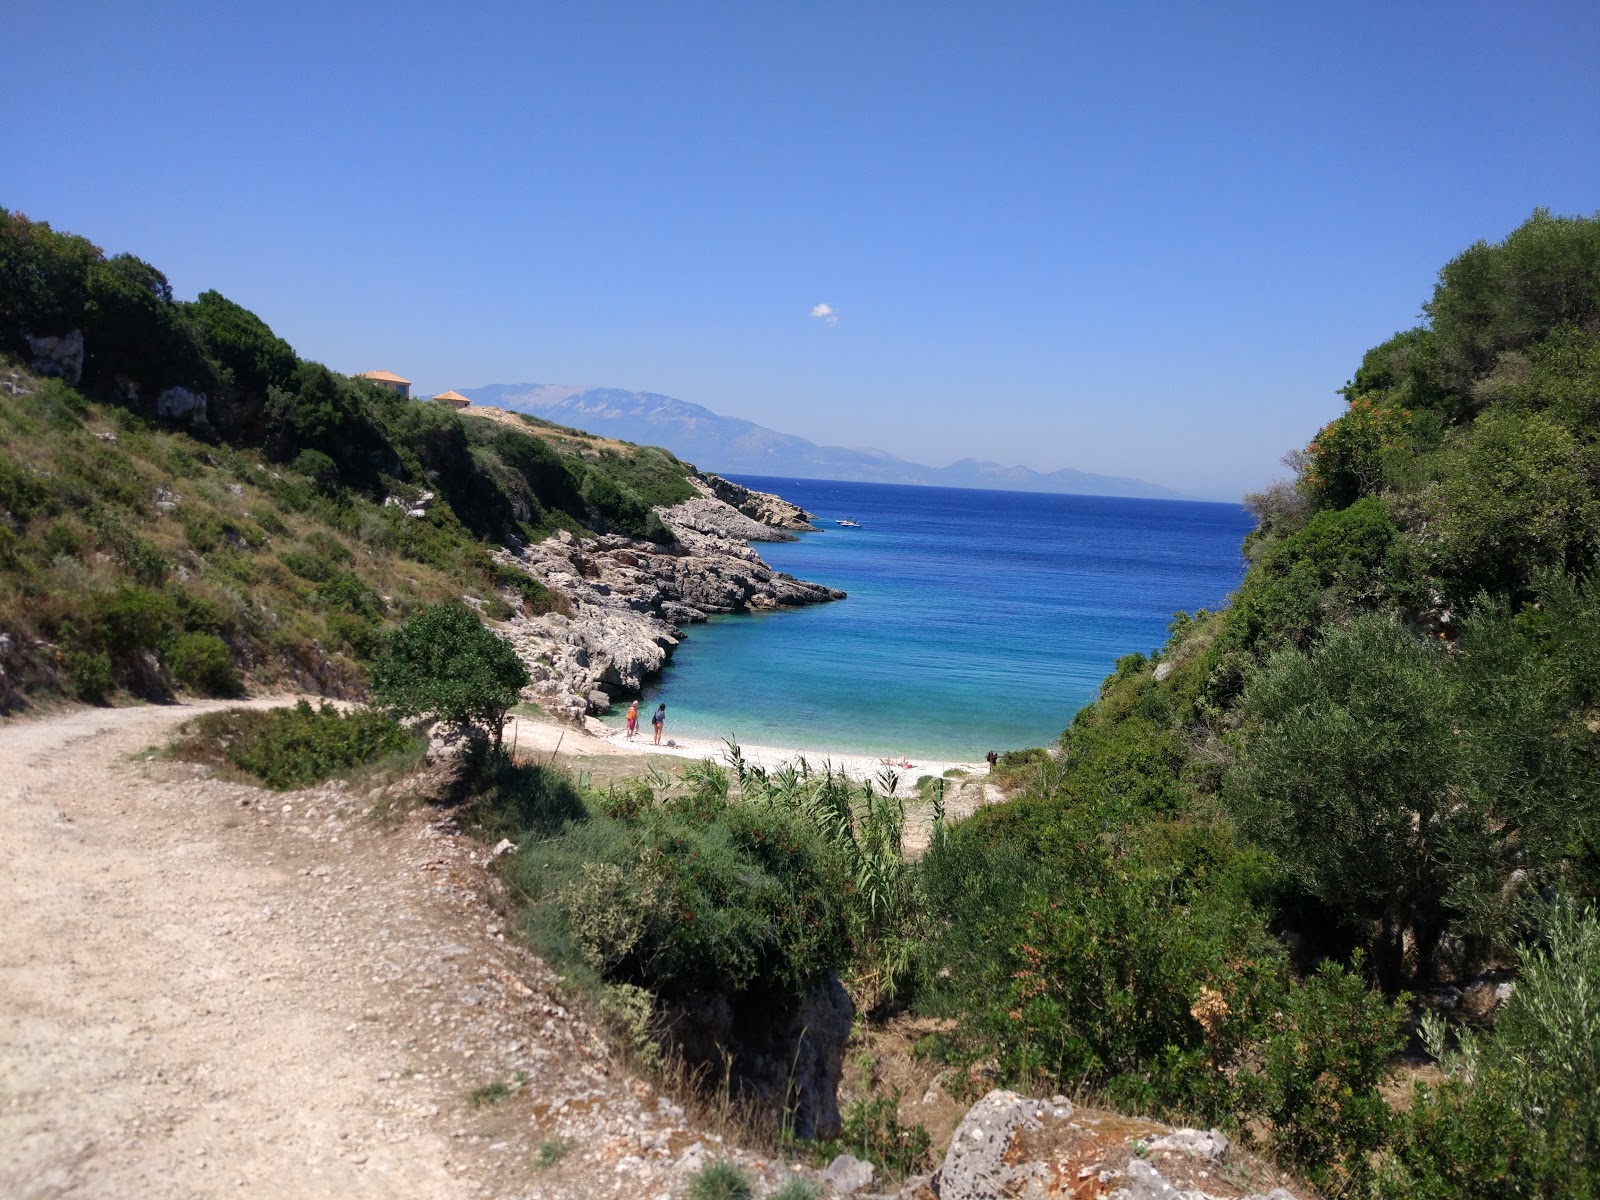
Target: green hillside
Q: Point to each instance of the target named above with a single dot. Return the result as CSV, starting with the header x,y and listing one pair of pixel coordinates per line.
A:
x,y
1381,758
265,536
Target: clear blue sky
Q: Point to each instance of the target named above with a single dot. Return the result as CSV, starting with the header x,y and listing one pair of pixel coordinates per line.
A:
x,y
1137,239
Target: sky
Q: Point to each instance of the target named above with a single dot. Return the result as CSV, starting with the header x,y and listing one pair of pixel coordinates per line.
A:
x,y
1137,239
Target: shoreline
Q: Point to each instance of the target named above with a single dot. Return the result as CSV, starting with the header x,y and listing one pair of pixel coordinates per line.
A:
x,y
596,739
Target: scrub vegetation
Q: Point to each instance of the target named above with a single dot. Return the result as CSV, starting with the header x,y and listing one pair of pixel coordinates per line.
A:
x,y
263,538
1361,793
1324,824
1313,829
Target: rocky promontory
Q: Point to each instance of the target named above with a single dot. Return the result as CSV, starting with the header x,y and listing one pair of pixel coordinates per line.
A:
x,y
772,511
626,600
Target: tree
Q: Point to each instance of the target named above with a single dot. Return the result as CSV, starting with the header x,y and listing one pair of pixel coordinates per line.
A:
x,y
1494,298
445,662
1352,770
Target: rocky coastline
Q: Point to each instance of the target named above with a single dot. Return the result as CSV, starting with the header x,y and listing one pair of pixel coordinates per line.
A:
x,y
625,601
773,512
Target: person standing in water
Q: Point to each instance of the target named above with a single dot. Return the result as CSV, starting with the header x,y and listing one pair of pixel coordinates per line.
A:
x,y
633,718
659,721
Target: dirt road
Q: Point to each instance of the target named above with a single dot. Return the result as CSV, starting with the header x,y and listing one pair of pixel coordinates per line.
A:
x,y
209,989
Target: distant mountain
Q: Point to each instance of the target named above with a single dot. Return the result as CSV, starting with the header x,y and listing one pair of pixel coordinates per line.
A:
x,y
728,445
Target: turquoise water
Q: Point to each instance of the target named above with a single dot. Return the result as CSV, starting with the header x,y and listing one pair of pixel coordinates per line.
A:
x,y
977,620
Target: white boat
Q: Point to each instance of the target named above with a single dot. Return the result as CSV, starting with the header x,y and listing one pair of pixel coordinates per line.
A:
x,y
848,523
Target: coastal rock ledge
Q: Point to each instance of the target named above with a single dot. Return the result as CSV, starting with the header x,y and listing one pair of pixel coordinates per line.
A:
x,y
626,600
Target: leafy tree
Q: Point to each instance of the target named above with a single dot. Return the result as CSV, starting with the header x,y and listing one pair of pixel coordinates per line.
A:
x,y
1352,770
444,661
134,329
43,279
1520,497
1492,298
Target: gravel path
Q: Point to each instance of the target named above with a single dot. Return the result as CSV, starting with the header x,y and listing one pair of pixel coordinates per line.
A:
x,y
210,989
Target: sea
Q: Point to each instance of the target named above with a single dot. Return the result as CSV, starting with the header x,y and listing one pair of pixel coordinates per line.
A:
x,y
976,620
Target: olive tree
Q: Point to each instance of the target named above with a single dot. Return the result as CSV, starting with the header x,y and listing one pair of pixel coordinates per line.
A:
x,y
1352,770
444,661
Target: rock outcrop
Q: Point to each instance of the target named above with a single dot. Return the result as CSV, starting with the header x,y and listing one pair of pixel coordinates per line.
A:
x,y
625,601
1011,1146
772,511
181,403
60,355
788,1063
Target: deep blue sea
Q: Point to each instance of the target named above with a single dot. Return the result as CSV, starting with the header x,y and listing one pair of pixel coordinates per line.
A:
x,y
976,620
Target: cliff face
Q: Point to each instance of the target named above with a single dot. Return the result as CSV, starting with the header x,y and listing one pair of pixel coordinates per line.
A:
x,y
772,511
628,600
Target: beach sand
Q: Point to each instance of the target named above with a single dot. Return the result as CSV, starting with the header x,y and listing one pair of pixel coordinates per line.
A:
x,y
531,735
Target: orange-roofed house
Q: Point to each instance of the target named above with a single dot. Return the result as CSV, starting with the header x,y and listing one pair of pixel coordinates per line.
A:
x,y
388,379
453,399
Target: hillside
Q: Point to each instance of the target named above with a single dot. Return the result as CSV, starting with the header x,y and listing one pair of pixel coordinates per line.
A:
x,y
188,504
730,445
1347,812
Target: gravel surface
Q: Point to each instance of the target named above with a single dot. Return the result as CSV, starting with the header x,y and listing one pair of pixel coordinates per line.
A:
x,y
212,989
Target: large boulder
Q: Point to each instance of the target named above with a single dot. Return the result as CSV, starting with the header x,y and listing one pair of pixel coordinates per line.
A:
x,y
1011,1146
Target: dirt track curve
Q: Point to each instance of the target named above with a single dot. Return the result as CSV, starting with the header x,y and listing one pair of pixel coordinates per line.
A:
x,y
208,989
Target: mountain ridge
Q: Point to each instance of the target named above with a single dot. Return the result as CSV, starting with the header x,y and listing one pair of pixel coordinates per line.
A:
x,y
733,445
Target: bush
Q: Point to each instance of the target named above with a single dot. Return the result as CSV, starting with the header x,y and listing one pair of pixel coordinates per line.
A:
x,y
1336,563
1326,1055
719,1180
319,468
1517,1117
131,619
1076,964
511,800
681,899
201,662
1522,498
291,747
89,673
445,662
873,1132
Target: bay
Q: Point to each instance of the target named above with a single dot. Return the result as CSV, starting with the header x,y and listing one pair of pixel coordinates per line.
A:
x,y
976,620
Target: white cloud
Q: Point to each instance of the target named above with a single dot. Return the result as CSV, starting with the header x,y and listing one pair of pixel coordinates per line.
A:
x,y
824,312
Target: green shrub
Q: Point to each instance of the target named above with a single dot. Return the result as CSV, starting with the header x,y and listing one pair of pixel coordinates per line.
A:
x,y
683,899
445,662
511,800
89,672
203,532
202,663
872,1131
1336,563
319,468
130,619
291,747
1517,1116
1076,964
1522,499
1326,1055
719,1180
795,1188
